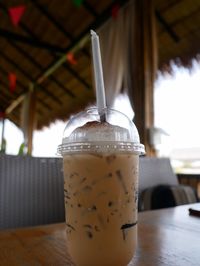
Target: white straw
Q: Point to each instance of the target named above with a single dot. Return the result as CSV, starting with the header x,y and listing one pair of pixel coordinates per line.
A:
x,y
98,75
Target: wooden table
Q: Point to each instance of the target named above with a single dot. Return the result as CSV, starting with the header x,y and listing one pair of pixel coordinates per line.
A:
x,y
167,237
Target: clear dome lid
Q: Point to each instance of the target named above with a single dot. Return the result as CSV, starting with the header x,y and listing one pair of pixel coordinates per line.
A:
x,y
85,132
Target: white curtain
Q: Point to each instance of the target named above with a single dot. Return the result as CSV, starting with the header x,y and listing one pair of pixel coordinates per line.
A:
x,y
115,38
122,41
129,56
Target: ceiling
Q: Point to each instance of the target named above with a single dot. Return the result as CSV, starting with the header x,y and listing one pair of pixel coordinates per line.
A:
x,y
36,50
178,29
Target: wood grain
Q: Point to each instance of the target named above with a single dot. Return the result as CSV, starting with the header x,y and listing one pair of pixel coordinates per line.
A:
x,y
167,237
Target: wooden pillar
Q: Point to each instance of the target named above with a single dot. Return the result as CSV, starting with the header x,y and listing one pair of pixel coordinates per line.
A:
x,y
28,119
144,70
3,141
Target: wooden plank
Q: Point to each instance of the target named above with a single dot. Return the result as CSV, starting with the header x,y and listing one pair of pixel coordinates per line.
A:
x,y
165,237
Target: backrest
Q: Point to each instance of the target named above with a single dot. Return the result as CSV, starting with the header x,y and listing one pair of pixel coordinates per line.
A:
x,y
159,187
155,171
31,191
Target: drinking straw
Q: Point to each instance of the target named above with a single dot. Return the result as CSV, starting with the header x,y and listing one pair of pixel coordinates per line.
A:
x,y
98,76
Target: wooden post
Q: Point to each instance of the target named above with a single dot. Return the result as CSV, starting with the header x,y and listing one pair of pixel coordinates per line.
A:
x,y
144,70
28,119
3,143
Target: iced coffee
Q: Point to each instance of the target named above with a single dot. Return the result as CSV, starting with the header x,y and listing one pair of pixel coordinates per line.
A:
x,y
101,191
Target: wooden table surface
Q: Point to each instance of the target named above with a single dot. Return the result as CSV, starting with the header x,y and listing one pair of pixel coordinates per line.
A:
x,y
165,237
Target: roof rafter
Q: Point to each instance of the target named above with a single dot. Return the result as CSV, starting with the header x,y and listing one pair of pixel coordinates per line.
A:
x,y
58,25
23,88
39,66
28,31
90,8
5,93
78,77
83,36
27,75
51,18
167,27
9,35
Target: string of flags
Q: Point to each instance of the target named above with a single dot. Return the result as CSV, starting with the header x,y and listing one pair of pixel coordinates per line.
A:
x,y
71,59
16,13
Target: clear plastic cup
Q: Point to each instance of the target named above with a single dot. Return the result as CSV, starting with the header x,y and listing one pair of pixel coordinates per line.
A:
x,y
101,187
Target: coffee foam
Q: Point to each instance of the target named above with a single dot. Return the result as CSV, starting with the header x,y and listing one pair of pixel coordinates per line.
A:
x,y
99,132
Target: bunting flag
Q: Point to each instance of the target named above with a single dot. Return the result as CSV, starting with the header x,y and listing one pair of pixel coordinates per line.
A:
x,y
16,14
71,59
78,3
12,81
115,11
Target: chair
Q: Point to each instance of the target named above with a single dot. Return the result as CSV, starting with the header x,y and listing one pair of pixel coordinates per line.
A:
x,y
159,187
31,191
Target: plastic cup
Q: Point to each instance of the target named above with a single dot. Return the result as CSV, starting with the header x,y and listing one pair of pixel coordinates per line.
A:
x,y
100,163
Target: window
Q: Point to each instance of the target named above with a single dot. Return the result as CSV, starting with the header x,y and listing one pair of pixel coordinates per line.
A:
x,y
177,111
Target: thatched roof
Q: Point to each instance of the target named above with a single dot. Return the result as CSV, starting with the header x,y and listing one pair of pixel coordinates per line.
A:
x,y
178,29
49,30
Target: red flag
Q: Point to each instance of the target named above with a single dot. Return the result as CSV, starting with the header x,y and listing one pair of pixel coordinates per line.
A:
x,y
115,11
12,81
71,59
16,14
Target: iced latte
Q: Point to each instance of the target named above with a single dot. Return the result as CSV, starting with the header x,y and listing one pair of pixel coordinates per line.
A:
x,y
101,188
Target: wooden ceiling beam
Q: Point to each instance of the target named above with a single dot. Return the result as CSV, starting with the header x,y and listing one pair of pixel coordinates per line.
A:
x,y
47,92
27,75
5,92
30,41
64,88
48,107
24,90
3,95
77,76
32,34
74,73
187,17
7,109
3,103
169,5
39,66
51,18
44,104
28,31
82,37
58,25
14,116
14,104
89,8
167,27
15,65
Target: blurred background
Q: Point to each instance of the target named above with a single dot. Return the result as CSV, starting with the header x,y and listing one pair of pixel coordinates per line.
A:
x,y
150,56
